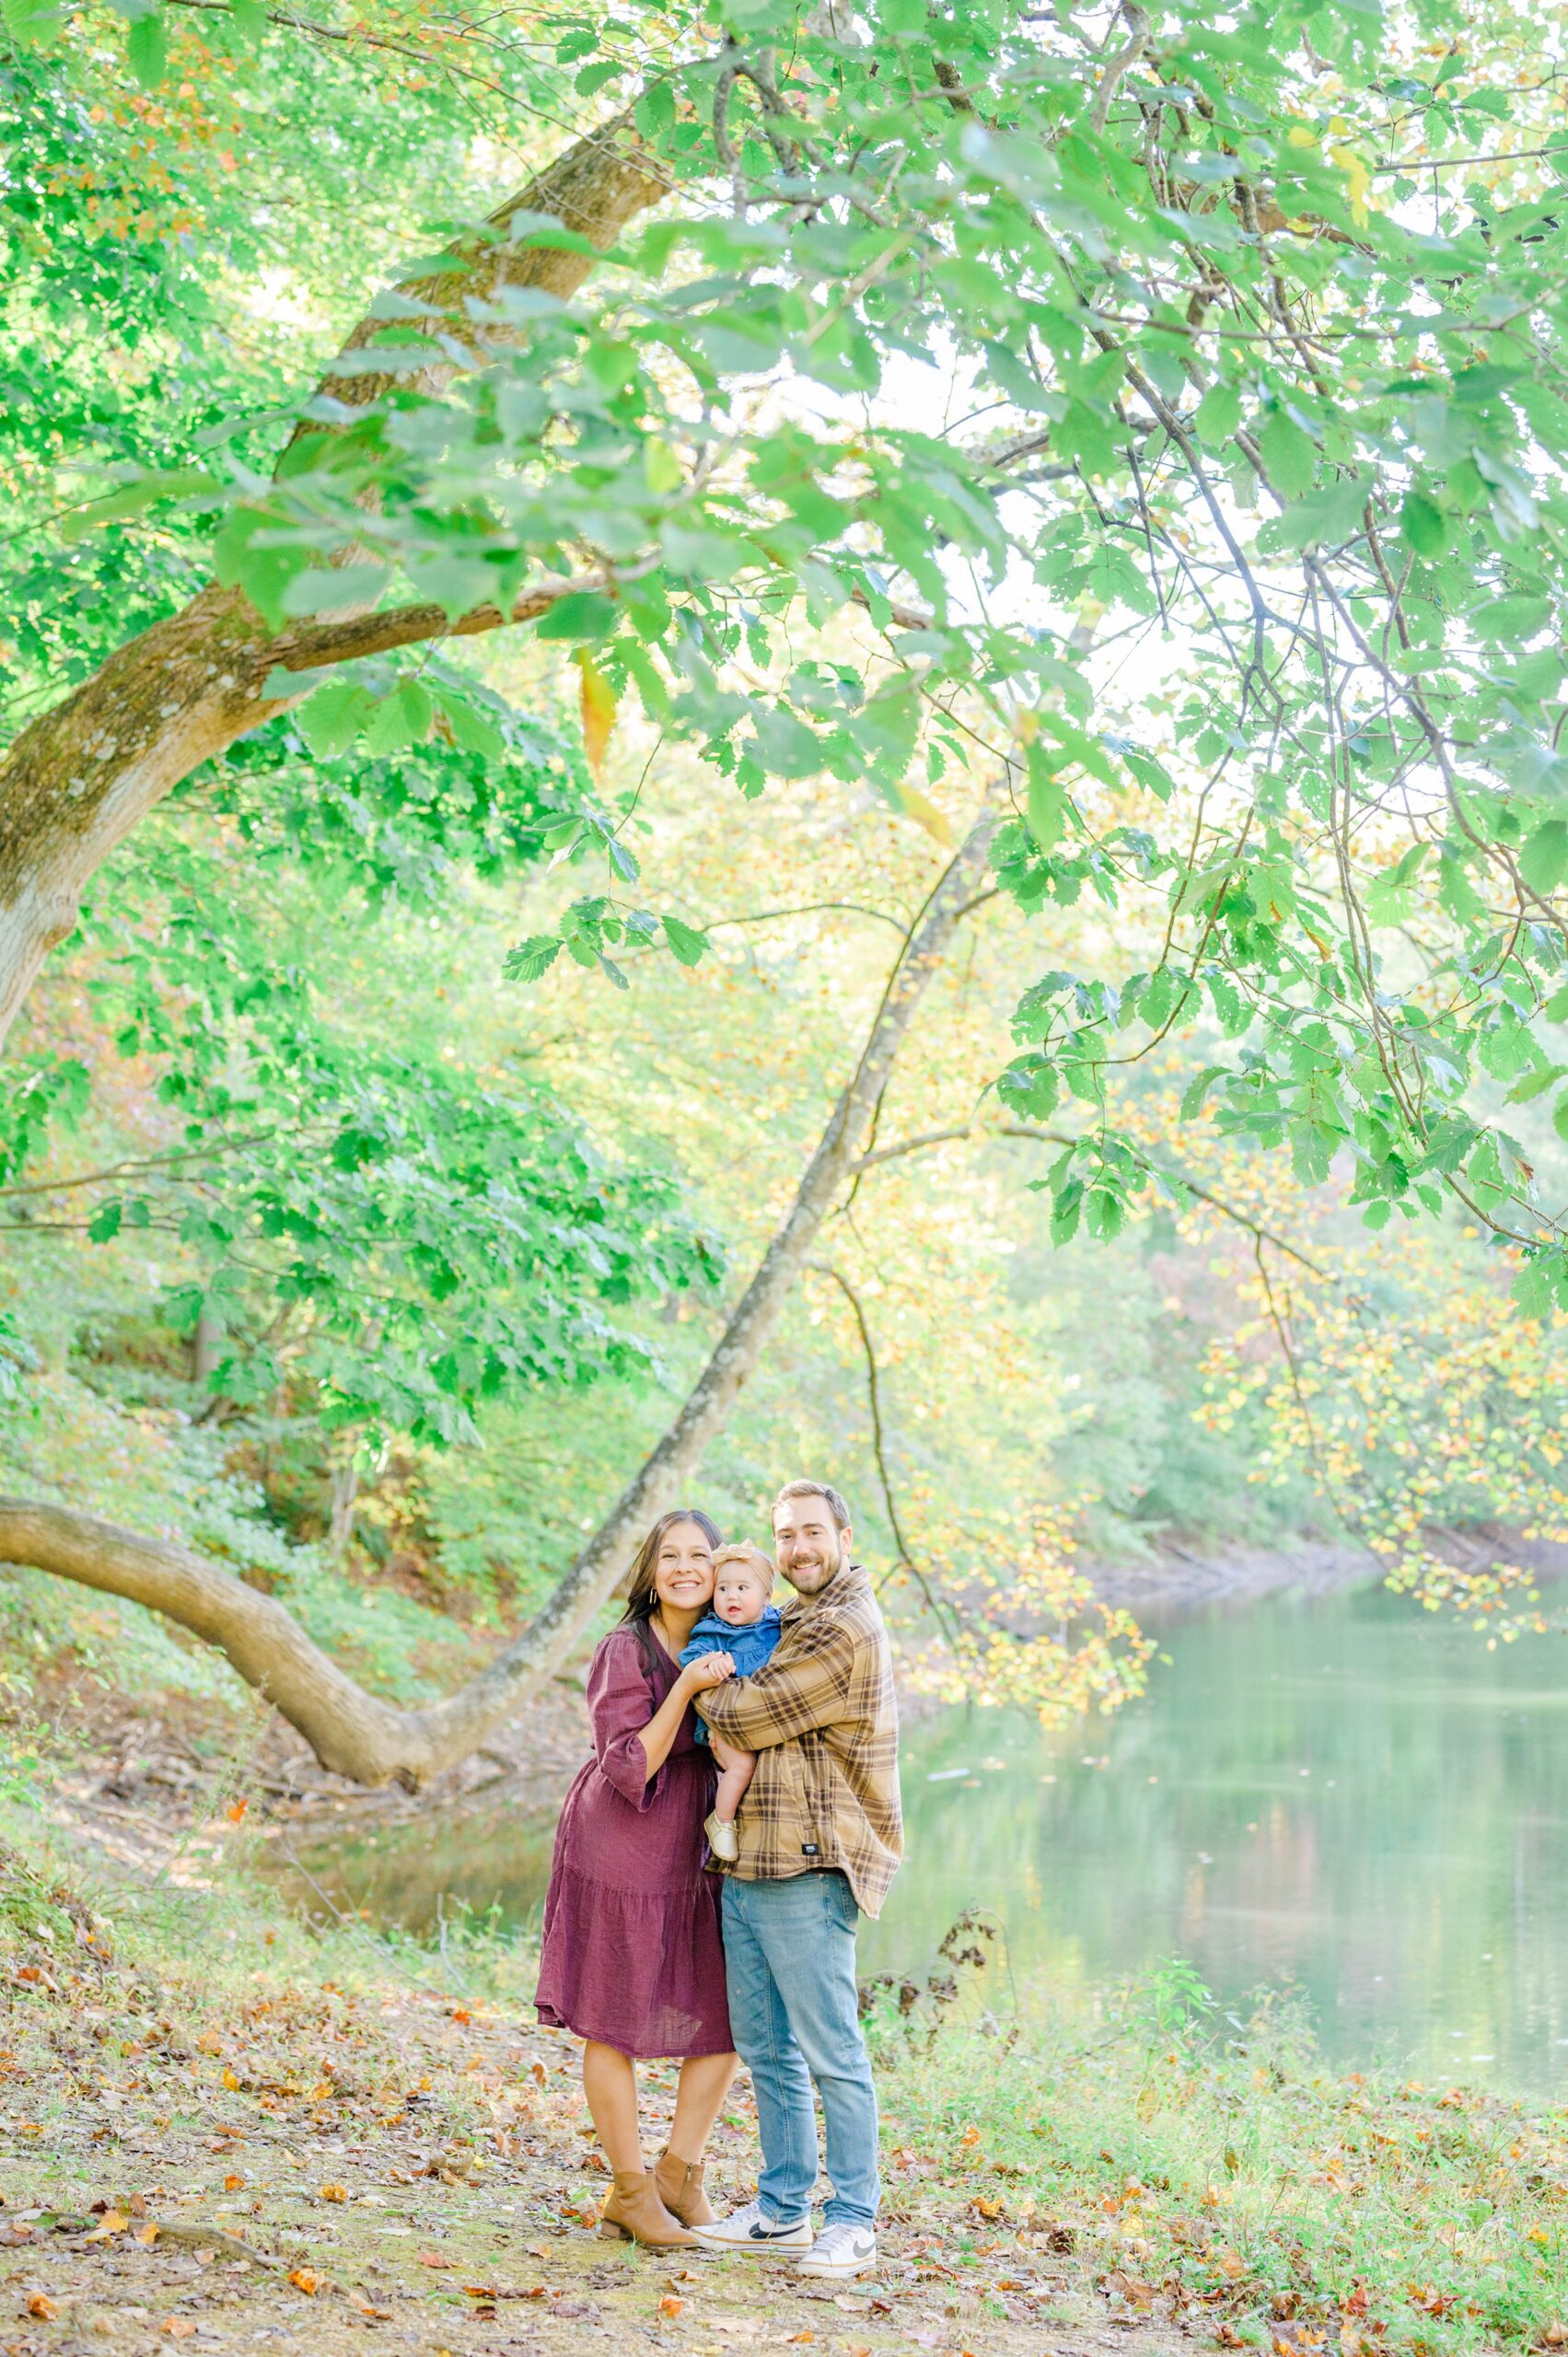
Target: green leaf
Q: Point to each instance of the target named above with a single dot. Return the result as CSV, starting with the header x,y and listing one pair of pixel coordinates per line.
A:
x,y
531,959
1390,899
1290,457
654,110
1423,525
1512,619
1047,797
106,1220
1218,413
686,943
331,718
32,23
1197,1090
403,718
148,48
472,729
134,498
1080,746
582,614
1030,1085
1544,862
324,588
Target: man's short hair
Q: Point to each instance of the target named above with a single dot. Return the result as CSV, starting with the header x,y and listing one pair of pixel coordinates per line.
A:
x,y
836,1505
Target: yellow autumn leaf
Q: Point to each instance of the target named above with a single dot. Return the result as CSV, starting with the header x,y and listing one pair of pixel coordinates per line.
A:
x,y
918,806
598,708
1360,179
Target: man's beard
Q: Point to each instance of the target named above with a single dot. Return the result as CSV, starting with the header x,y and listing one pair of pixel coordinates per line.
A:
x,y
809,1579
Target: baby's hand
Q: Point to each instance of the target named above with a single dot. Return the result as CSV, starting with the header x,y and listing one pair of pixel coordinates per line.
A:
x,y
709,1669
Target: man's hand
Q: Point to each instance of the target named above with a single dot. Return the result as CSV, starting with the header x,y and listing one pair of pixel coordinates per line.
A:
x,y
708,1669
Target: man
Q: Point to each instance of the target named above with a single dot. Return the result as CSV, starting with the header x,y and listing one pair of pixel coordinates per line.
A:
x,y
821,1837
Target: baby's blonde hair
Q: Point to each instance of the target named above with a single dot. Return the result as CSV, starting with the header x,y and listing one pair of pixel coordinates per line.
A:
x,y
742,1551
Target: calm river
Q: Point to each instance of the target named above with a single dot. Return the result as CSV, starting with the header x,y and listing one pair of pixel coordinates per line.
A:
x,y
1341,1795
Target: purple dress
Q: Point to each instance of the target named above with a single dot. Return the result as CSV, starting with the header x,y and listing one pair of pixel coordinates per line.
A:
x,y
632,1954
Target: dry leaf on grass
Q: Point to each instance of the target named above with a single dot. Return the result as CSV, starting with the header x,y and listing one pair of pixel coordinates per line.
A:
x,y
331,2192
305,2279
40,2305
669,2306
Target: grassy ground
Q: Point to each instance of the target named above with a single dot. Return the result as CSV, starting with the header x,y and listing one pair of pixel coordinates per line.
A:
x,y
220,2127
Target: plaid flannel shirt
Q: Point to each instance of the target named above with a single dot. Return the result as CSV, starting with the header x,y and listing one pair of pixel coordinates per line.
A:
x,y
822,1720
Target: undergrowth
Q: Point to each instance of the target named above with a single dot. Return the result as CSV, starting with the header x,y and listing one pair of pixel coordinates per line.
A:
x,y
1224,2174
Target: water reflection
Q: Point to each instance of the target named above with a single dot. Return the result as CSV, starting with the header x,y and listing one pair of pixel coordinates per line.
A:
x,y
1340,1796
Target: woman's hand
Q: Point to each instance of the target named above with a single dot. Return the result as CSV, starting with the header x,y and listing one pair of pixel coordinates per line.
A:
x,y
708,1669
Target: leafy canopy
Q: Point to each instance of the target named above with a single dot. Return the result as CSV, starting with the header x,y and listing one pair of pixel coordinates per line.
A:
x,y
1231,343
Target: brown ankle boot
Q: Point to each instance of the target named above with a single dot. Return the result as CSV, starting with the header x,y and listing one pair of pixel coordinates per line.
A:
x,y
679,2185
634,2214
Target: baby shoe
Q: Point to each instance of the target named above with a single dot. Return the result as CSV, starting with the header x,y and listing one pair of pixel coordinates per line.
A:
x,y
721,1839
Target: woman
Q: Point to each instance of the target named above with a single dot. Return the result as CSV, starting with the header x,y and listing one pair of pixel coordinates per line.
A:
x,y
632,1960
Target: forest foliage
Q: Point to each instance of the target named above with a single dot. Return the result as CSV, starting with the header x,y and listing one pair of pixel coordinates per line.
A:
x,y
1150,422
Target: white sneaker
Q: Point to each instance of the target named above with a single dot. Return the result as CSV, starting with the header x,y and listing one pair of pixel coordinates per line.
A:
x,y
840,2251
748,2231
722,1839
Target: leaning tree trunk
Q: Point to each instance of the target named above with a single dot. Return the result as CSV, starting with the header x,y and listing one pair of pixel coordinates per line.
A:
x,y
81,776
353,1732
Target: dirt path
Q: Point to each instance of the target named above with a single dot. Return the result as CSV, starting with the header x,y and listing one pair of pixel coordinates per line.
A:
x,y
243,2164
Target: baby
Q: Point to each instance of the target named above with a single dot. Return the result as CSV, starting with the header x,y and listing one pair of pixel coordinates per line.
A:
x,y
744,1623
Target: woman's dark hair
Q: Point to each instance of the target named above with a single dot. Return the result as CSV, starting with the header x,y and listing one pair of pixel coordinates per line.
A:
x,y
641,1596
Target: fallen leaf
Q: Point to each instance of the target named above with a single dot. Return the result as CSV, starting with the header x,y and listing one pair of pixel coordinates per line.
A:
x,y
366,2308
113,2222
669,2306
230,2082
332,2192
481,2290
178,2327
233,2181
305,2279
432,2259
236,1812
40,2305
147,2234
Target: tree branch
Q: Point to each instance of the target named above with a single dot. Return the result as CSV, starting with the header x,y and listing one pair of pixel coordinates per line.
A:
x,y
351,1731
1172,1177
906,1560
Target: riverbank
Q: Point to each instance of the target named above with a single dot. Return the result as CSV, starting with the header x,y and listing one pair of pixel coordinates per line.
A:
x,y
222,2128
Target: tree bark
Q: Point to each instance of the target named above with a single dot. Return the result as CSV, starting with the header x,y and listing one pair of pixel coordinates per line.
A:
x,y
371,1741
83,774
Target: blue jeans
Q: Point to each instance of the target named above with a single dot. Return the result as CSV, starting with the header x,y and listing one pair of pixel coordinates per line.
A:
x,y
789,1960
